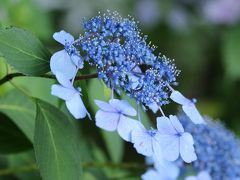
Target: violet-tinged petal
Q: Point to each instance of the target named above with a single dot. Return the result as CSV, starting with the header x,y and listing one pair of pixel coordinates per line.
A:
x,y
62,92
176,124
192,112
61,62
123,107
177,97
63,37
152,174
142,142
157,152
187,151
107,120
164,126
76,107
64,81
125,127
204,175
105,106
154,107
170,147
77,60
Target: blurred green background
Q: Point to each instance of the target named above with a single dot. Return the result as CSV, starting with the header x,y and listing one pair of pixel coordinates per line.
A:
x,y
205,46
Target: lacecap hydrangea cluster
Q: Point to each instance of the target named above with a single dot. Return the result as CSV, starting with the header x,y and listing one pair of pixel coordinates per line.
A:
x,y
125,62
217,149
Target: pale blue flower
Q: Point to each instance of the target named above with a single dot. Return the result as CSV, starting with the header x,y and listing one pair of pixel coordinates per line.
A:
x,y
114,116
72,96
174,141
146,142
203,175
166,171
188,107
61,61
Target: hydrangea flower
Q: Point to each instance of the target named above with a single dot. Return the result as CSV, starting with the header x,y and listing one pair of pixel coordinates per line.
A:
x,y
167,171
115,47
174,140
146,142
72,96
188,107
217,149
114,116
203,175
61,61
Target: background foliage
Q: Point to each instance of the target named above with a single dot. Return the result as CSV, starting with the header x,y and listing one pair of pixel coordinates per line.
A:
x,y
208,55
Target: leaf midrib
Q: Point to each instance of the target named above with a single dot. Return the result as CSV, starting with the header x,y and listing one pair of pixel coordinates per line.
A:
x,y
24,52
52,139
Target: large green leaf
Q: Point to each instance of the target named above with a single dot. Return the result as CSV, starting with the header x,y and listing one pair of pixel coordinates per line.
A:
x,y
56,144
24,51
21,110
12,140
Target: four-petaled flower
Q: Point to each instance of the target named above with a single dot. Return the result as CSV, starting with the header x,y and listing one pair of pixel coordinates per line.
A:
x,y
146,142
114,116
174,140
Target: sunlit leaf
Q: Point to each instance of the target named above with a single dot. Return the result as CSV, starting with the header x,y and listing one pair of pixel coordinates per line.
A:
x,y
24,51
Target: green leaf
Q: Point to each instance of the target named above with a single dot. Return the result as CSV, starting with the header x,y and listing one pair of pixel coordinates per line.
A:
x,y
21,110
56,144
24,51
114,143
24,159
12,140
231,53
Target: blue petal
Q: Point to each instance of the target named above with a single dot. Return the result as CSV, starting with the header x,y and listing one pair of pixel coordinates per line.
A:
x,y
76,107
125,126
186,148
61,62
142,142
204,175
154,107
157,152
193,113
77,60
62,92
170,146
177,97
176,124
107,120
63,37
164,126
105,106
152,174
192,178
123,107
64,81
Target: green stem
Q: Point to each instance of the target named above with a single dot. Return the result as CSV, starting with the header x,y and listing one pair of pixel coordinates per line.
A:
x,y
33,167
9,77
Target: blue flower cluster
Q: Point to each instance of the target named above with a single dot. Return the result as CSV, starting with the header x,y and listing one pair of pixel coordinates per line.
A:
x,y
124,61
217,149
115,47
